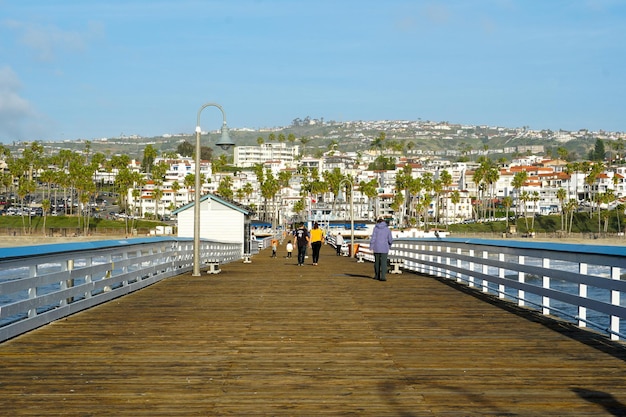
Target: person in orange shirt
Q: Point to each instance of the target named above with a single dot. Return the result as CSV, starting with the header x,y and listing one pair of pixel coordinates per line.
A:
x,y
317,237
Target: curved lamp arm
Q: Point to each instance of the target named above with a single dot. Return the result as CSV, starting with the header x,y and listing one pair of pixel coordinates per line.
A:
x,y
225,143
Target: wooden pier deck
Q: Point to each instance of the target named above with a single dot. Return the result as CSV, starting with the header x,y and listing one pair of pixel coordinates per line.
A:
x,y
273,339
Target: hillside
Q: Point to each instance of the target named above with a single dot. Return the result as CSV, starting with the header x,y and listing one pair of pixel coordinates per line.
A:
x,y
444,139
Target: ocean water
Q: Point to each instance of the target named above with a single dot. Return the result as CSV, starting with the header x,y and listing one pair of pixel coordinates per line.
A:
x,y
565,311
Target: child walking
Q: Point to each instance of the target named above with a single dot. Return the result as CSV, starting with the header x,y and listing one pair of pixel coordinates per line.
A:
x,y
289,249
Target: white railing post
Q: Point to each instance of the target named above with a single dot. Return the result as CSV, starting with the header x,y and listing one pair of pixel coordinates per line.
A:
x,y
471,269
501,287
521,277
546,284
459,265
485,283
32,291
615,300
582,291
441,270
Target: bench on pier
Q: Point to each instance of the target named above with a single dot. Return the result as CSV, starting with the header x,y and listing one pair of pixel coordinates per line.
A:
x,y
213,266
395,264
363,253
360,257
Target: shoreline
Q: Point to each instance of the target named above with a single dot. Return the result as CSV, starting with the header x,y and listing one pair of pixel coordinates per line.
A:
x,y
16,241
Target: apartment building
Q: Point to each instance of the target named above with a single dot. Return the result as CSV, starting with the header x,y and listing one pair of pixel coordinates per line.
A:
x,y
249,156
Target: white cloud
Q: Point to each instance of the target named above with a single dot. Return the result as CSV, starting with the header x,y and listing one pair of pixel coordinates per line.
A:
x,y
47,42
15,111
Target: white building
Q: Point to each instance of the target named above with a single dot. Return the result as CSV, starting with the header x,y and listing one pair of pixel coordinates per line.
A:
x,y
249,156
220,220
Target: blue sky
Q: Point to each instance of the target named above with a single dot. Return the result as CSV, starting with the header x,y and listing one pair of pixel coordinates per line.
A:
x,y
74,69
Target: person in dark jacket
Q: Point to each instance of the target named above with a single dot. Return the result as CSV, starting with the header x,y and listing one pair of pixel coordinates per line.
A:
x,y
302,239
380,243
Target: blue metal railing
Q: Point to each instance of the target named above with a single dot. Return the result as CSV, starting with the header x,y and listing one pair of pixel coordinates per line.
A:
x,y
40,284
580,283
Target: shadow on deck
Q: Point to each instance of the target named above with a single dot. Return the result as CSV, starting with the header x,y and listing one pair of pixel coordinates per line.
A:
x,y
271,338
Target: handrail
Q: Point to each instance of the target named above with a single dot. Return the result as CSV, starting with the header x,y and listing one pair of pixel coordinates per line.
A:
x,y
40,284
579,283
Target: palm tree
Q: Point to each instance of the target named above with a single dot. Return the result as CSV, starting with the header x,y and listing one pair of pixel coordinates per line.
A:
x,y
519,179
561,194
455,199
225,187
571,207
415,189
427,186
507,202
477,179
304,140
175,189
123,181
446,180
45,206
535,199
149,155
607,198
189,182
269,189
370,190
158,175
333,181
299,207
525,197
332,146
248,189
491,178
403,182
379,143
218,164
398,202
437,189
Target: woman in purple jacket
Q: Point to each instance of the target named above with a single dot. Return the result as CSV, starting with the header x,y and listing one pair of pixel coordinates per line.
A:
x,y
380,243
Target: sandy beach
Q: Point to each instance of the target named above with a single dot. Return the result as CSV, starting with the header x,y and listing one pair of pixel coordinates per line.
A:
x,y
15,241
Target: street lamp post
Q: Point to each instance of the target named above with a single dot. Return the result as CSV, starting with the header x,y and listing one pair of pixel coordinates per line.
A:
x,y
351,214
225,143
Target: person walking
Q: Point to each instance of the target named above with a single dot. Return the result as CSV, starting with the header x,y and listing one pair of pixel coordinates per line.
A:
x,y
317,237
274,244
302,241
338,243
289,248
380,243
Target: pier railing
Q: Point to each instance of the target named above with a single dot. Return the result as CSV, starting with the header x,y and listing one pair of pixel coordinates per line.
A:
x,y
579,283
40,284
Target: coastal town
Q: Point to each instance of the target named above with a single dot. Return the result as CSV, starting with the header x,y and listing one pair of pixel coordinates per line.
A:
x,y
342,171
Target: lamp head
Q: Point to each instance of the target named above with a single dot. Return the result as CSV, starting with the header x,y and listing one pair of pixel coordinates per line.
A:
x,y
225,141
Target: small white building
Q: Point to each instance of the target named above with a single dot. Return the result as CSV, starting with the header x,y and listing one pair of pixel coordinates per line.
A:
x,y
220,220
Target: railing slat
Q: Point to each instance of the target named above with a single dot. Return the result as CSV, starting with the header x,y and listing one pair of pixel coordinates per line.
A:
x,y
41,284
553,278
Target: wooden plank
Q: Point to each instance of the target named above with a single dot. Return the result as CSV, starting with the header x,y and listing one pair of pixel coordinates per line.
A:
x,y
271,338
